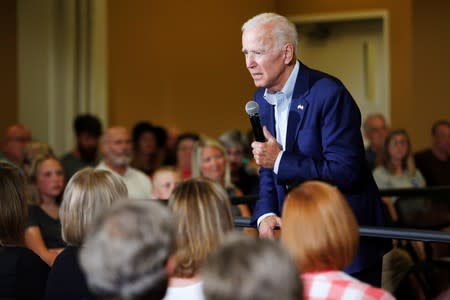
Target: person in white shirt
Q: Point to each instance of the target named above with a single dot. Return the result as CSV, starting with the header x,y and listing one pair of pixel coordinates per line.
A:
x,y
116,151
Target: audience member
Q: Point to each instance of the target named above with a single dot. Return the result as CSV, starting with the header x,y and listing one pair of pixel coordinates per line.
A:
x,y
87,129
148,147
202,209
326,243
33,151
14,141
165,179
375,131
43,227
434,163
243,175
183,151
127,252
396,167
22,273
116,150
209,161
246,268
88,194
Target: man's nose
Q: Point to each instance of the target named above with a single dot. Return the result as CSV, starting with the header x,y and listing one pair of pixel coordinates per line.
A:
x,y
250,61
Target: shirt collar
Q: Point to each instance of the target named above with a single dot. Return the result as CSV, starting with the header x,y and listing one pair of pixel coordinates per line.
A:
x,y
287,90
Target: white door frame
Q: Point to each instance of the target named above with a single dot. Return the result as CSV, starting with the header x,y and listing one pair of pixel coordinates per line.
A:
x,y
382,15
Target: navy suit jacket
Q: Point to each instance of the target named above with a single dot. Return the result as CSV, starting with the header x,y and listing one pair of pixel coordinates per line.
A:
x,y
323,142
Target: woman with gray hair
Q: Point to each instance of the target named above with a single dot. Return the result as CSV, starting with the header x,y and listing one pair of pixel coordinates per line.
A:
x,y
88,194
127,253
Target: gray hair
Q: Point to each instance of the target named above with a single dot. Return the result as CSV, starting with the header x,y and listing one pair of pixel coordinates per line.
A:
x,y
282,30
246,268
88,194
127,249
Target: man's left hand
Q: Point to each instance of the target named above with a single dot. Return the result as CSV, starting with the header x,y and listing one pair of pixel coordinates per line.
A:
x,y
266,153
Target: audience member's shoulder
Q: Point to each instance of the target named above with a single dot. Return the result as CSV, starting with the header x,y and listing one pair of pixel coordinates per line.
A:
x,y
422,154
28,260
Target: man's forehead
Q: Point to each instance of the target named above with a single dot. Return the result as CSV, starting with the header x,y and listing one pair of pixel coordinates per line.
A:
x,y
17,130
118,134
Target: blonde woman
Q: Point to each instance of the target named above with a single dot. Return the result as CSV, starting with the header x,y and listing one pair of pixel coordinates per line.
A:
x,y
209,160
396,168
321,232
89,193
43,227
202,210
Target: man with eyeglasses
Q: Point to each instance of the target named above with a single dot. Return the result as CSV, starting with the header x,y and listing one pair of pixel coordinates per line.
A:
x,y
14,140
312,130
375,131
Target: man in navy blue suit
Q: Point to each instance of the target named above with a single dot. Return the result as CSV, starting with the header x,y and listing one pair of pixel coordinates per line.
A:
x,y
312,129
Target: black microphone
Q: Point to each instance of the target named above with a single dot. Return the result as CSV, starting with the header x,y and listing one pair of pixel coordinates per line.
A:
x,y
252,109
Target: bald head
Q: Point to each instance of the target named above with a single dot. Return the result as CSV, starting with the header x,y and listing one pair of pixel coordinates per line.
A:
x,y
15,138
116,146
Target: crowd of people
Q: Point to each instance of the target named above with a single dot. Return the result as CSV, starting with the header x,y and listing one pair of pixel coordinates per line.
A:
x,y
146,213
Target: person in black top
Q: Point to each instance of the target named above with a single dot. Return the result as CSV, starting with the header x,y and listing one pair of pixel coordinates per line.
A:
x,y
434,163
88,193
22,273
43,228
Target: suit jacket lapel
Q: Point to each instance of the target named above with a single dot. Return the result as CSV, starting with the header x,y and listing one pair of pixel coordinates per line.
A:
x,y
299,106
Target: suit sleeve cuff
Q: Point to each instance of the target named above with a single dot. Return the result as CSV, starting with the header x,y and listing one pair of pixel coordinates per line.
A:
x,y
263,217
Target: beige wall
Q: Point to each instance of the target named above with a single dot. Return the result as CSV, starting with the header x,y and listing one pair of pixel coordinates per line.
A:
x,y
400,40
8,55
179,63
431,67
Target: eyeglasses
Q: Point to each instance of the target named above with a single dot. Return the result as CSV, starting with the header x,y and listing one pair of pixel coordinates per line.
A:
x,y
398,142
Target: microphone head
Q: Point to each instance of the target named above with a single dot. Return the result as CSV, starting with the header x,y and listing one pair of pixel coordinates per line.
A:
x,y
252,108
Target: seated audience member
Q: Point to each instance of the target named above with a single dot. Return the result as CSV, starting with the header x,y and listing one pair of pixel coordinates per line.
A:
x,y
246,268
43,227
375,131
22,273
32,151
148,147
209,160
127,252
88,194
183,153
14,140
397,168
434,163
321,232
165,179
242,175
116,150
87,129
172,136
202,209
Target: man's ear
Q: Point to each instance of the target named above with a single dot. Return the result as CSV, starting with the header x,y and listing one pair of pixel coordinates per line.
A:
x,y
288,52
170,265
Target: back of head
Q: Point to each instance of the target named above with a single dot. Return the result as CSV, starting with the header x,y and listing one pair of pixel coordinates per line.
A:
x,y
329,236
203,212
13,205
88,194
127,249
280,28
87,123
232,138
246,268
